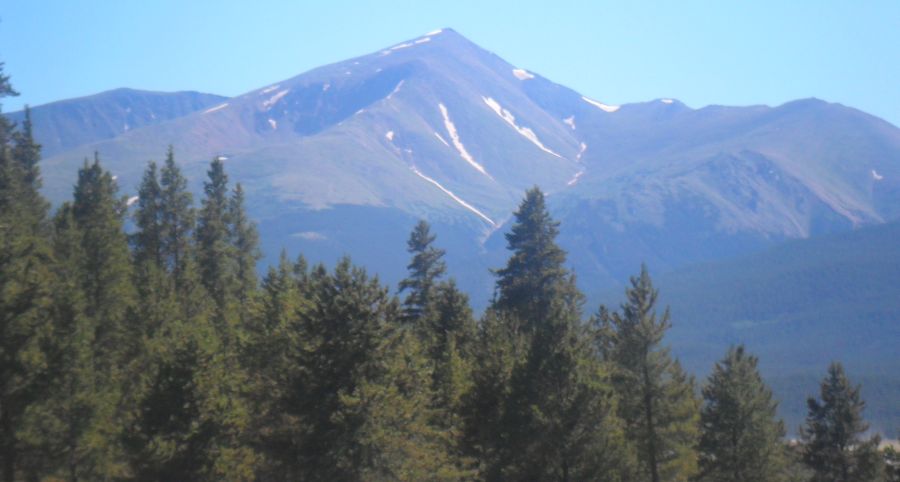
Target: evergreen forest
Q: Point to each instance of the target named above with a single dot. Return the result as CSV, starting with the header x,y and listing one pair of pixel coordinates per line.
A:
x,y
139,343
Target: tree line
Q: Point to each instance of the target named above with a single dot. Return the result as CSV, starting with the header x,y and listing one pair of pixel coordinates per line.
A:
x,y
158,355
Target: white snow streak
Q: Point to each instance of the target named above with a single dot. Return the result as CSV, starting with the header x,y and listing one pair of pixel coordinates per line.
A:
x,y
325,87
601,105
268,89
441,139
273,124
666,101
422,40
575,179
401,46
511,120
570,121
876,176
454,136
522,74
396,89
132,200
275,98
434,32
389,136
581,151
454,196
310,236
218,107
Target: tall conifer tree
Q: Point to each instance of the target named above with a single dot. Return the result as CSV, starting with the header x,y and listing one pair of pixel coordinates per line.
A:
x,y
832,435
245,242
556,389
425,268
215,255
177,224
656,397
25,279
106,270
534,273
741,436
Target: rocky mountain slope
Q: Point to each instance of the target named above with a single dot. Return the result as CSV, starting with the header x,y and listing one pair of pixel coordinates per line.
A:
x,y
438,127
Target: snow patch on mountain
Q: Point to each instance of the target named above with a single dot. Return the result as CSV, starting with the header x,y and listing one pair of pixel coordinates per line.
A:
x,y
273,123
454,196
570,121
876,176
454,136
401,46
310,236
601,105
434,32
268,89
389,136
575,178
666,101
511,120
522,74
581,150
274,99
396,89
422,40
218,107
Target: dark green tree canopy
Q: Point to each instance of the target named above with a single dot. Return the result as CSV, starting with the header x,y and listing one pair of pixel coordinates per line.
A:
x,y
741,436
834,447
534,272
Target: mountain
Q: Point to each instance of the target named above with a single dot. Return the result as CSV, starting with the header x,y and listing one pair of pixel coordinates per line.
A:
x,y
345,158
438,127
799,306
67,124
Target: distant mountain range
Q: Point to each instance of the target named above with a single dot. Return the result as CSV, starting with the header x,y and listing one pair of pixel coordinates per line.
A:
x,y
343,159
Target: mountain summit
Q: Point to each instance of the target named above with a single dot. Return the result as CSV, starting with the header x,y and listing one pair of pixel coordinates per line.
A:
x,y
437,127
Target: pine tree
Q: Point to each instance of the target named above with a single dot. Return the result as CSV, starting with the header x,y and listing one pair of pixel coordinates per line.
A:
x,y
741,438
245,242
358,391
106,270
25,291
534,272
220,379
177,224
656,397
27,155
74,426
556,388
832,435
425,268
147,242
499,349
214,249
268,357
165,437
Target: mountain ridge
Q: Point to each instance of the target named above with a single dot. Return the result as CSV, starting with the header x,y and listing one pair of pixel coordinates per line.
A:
x,y
441,128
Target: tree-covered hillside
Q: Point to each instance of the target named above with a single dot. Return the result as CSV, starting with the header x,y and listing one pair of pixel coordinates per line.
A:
x,y
154,353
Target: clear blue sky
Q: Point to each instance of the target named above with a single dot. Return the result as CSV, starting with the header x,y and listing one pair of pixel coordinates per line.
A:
x,y
701,52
